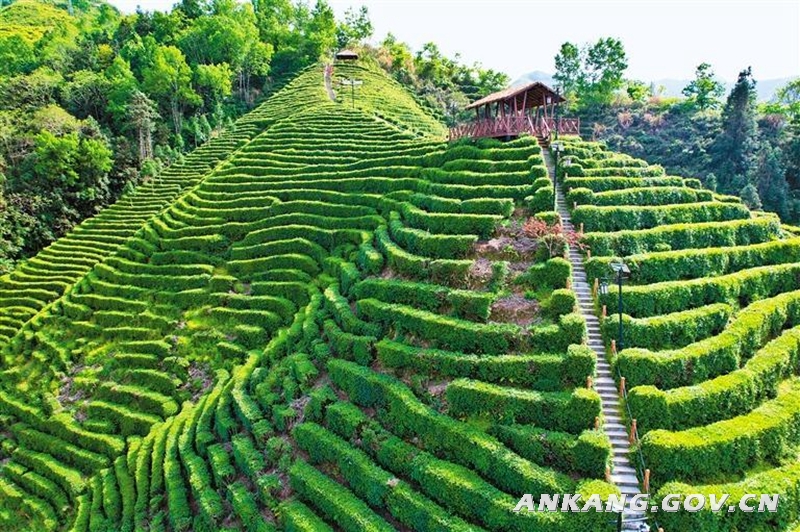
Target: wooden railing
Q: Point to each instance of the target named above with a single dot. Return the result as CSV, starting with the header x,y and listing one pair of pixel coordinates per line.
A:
x,y
512,126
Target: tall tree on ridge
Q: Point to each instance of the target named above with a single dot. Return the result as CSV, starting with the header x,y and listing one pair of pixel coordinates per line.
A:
x,y
733,151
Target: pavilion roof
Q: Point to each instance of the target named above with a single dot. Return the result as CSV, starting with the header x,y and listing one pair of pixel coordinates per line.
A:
x,y
536,94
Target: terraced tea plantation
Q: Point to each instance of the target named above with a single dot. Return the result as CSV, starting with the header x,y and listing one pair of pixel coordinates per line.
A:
x,y
326,319
711,337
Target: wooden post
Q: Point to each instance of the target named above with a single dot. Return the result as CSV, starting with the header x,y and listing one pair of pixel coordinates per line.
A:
x,y
569,283
589,382
574,205
608,474
605,312
597,423
588,251
614,346
622,386
633,431
596,286
646,480
581,227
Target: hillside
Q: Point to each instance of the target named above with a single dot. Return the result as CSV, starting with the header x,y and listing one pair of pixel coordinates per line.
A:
x,y
290,331
31,19
329,318
710,332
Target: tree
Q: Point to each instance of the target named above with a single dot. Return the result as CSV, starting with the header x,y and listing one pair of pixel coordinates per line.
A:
x,y
637,90
769,175
704,90
87,94
593,73
569,69
121,85
16,55
605,64
749,195
142,114
214,82
788,98
355,28
320,32
733,150
170,79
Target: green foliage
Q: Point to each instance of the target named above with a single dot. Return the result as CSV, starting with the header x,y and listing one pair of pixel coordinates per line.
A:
x,y
560,410
732,394
551,274
715,355
586,454
767,433
704,91
592,73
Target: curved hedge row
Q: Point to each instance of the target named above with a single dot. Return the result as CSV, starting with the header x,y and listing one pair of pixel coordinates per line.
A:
x,y
620,218
727,395
662,266
768,433
717,355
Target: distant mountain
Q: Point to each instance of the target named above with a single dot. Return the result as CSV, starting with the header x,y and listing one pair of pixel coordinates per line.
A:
x,y
536,75
765,88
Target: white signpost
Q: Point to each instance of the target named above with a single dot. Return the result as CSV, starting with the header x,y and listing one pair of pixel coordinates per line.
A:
x,y
352,83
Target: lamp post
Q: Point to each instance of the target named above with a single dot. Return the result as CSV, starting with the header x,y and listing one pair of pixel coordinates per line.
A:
x,y
620,271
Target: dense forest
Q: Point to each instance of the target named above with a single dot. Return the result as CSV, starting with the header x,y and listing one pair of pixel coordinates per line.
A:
x,y
732,143
93,102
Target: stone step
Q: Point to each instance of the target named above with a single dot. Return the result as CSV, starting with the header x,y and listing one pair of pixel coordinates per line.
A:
x,y
624,470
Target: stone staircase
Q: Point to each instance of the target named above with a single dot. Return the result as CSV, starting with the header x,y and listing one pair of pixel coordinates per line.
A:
x,y
623,475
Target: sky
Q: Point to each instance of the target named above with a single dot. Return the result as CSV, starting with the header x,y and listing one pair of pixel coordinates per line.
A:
x,y
663,39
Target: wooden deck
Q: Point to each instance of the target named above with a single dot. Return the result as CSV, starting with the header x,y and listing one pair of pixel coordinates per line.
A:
x,y
513,126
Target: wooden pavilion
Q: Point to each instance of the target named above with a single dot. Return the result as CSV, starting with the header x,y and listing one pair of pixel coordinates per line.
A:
x,y
531,108
346,55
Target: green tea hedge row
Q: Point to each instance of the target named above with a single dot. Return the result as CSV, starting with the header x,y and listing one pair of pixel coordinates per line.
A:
x,y
670,331
500,207
542,372
347,345
783,482
564,411
557,337
441,331
587,454
457,488
430,245
441,435
642,196
768,433
367,480
468,192
551,274
717,355
333,500
604,184
445,271
740,288
465,304
728,395
339,307
294,516
618,218
449,223
693,263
